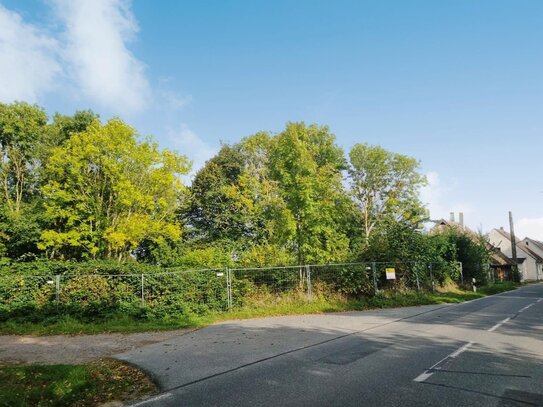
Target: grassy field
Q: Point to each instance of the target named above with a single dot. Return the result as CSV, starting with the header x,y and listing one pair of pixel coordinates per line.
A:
x,y
72,385
283,306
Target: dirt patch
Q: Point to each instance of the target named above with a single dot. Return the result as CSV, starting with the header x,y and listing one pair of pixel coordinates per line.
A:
x,y
74,349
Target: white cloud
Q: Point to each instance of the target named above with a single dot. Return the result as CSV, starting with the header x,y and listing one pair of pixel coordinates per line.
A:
x,y
440,198
527,227
189,143
100,64
87,56
29,61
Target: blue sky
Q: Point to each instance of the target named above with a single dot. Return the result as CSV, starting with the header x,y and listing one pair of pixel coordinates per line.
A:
x,y
457,84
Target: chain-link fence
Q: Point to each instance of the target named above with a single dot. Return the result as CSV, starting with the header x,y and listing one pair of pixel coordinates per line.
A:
x,y
201,291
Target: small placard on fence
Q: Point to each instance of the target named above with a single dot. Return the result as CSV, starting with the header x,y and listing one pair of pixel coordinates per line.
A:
x,y
391,273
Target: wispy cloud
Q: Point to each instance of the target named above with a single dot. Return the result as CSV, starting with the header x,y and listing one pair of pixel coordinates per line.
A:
x,y
189,143
96,36
29,59
173,100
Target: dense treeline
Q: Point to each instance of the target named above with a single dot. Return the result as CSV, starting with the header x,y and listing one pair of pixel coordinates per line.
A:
x,y
75,189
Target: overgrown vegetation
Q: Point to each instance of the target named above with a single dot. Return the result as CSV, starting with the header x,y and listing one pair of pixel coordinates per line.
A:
x,y
261,306
72,385
84,197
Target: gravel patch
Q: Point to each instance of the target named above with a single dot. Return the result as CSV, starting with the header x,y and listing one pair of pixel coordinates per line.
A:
x,y
74,349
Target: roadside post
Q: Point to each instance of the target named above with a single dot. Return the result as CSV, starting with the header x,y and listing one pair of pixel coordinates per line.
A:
x,y
374,273
143,290
416,275
431,278
308,279
57,289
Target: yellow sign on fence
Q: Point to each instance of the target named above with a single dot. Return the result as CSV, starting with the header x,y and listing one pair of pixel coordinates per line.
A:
x,y
391,273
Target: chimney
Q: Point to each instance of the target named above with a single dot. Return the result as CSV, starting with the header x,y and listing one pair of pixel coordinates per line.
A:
x,y
451,217
501,228
461,219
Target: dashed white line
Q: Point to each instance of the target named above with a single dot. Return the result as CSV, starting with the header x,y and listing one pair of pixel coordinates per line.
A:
x,y
526,307
430,371
499,324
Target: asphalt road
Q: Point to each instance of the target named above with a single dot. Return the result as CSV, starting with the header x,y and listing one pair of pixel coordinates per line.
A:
x,y
487,352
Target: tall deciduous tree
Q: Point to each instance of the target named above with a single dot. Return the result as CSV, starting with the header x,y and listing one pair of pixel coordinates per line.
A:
x,y
212,211
21,129
107,191
385,186
306,164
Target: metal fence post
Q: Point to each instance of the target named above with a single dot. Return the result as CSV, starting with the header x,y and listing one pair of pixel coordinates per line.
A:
x,y
374,273
416,276
143,290
229,289
431,277
308,278
57,289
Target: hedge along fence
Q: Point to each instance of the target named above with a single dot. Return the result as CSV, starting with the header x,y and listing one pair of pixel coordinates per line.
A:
x,y
169,293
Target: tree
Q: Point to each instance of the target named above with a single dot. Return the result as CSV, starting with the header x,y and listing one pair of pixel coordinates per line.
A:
x,y
385,186
212,212
21,129
306,164
107,192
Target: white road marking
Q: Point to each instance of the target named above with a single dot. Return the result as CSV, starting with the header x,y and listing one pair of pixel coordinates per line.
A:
x,y
423,376
526,307
429,372
152,399
499,324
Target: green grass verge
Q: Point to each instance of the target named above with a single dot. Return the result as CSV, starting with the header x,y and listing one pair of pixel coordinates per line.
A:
x,y
72,385
69,325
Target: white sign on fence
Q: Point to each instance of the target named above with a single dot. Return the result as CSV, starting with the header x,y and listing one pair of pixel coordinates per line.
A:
x,y
391,273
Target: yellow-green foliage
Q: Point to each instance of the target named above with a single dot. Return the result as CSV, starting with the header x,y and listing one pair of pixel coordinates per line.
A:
x,y
107,191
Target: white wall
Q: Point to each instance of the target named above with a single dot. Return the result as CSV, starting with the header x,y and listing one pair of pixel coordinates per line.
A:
x,y
529,269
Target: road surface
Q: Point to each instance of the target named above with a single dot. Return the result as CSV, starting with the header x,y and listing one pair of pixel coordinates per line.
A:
x,y
486,352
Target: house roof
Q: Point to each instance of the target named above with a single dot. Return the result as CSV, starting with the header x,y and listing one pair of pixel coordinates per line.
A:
x,y
497,258
523,246
527,249
500,259
534,242
506,235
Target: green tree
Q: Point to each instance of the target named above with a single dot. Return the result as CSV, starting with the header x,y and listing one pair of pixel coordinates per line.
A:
x,y
107,192
22,129
306,164
385,187
211,211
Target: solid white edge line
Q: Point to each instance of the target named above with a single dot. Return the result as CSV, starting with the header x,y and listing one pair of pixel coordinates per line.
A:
x,y
150,400
429,372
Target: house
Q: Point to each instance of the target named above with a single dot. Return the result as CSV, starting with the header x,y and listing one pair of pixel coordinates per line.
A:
x,y
529,253
500,264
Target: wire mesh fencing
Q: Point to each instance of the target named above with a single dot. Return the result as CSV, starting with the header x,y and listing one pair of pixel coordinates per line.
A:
x,y
222,289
